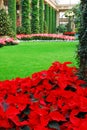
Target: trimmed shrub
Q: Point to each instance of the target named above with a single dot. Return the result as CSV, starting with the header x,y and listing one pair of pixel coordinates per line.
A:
x,y
12,14
5,24
62,28
26,20
20,30
41,15
50,21
35,16
45,27
47,16
54,21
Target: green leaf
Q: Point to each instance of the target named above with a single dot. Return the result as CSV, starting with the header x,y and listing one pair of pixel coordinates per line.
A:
x,y
25,128
54,125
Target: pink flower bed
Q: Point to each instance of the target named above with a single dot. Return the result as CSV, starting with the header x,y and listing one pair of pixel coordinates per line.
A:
x,y
7,41
45,36
50,100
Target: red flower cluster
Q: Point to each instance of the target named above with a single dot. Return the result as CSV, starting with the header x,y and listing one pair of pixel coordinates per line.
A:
x,y
45,37
70,33
50,100
7,41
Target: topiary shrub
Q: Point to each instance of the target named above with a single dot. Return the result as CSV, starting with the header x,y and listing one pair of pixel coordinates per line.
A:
x,y
12,14
62,28
47,17
5,24
54,21
45,27
35,16
26,21
21,30
50,19
41,15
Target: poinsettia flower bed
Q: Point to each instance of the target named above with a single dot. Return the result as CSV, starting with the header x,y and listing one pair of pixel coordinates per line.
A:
x,y
45,37
8,41
70,33
50,100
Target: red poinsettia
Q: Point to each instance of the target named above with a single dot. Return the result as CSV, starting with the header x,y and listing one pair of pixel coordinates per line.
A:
x,y
50,100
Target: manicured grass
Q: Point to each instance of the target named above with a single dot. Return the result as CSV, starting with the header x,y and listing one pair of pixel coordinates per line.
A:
x,y
28,57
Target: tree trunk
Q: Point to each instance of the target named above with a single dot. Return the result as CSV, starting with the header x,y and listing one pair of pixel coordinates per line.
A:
x,y
1,4
82,48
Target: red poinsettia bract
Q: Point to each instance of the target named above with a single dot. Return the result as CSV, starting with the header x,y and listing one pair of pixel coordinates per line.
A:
x,y
50,100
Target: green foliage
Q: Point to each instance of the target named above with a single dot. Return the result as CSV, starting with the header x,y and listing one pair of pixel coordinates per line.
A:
x,y
47,16
21,30
69,29
35,16
70,15
26,20
5,24
50,21
53,21
50,17
61,28
54,125
82,48
12,14
45,27
77,19
41,15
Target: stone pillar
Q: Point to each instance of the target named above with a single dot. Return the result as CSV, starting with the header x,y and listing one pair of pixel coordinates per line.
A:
x,y
73,25
2,4
57,18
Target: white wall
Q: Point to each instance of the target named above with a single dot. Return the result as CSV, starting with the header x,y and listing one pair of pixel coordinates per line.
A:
x,y
67,1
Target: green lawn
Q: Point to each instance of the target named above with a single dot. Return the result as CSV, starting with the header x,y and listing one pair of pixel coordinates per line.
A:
x,y
26,58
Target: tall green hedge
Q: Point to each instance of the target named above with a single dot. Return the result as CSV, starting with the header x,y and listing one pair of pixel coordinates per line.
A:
x,y
12,14
50,21
35,16
47,15
41,16
82,48
53,21
5,24
26,20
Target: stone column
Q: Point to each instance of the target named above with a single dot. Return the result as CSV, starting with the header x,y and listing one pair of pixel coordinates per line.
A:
x,y
2,4
73,25
57,18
